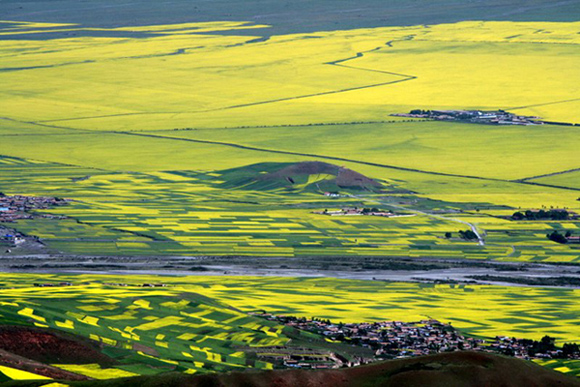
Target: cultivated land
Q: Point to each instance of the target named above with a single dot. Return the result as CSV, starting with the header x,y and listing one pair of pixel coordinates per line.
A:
x,y
248,138
199,324
146,134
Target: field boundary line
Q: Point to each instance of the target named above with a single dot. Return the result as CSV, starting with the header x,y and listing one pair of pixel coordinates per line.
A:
x,y
548,175
336,158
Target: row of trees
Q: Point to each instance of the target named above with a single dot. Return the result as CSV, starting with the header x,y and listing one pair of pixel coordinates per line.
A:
x,y
541,214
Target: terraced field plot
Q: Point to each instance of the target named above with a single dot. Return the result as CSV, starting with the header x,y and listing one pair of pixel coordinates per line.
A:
x,y
566,366
148,331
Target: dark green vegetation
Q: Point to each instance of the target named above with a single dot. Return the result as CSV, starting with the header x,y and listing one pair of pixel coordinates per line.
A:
x,y
464,369
555,236
286,16
541,215
467,234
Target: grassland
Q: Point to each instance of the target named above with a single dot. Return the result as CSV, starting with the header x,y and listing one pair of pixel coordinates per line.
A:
x,y
190,324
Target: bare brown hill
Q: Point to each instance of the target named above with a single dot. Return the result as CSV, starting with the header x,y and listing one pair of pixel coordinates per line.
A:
x,y
50,347
470,369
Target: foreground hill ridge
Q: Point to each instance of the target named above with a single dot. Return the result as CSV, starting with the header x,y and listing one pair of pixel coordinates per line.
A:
x,y
452,369
464,369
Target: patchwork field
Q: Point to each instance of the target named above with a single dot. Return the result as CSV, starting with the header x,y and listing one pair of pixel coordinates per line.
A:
x,y
148,331
218,213
198,323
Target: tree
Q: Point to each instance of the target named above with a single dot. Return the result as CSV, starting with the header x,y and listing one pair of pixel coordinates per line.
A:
x,y
557,237
570,349
468,234
447,235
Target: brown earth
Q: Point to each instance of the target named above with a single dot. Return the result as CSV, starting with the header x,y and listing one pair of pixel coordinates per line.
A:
x,y
462,369
9,359
50,347
441,370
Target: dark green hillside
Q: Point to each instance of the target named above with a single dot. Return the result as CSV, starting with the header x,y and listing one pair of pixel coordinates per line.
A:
x,y
310,176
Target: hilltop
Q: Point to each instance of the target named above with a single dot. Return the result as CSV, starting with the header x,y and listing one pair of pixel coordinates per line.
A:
x,y
307,175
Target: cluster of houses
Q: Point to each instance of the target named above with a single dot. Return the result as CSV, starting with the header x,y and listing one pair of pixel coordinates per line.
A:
x,y
495,117
145,285
355,211
332,195
531,349
52,285
11,238
397,339
13,208
284,357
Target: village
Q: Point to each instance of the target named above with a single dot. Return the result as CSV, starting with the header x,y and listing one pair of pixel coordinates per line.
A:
x,y
397,339
13,208
17,207
494,117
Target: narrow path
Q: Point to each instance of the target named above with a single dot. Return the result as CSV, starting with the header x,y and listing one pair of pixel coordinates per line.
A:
x,y
338,63
542,104
239,105
548,175
472,226
334,158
